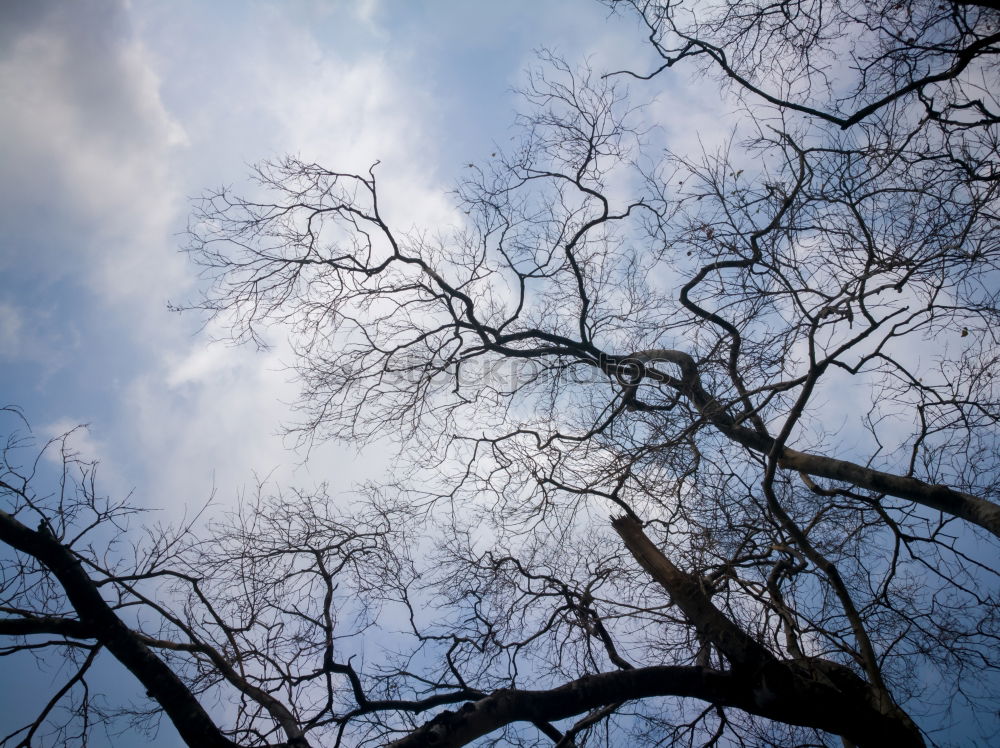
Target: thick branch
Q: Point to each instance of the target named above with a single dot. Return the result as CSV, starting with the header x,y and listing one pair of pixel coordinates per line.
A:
x,y
35,625
971,508
686,592
800,702
476,719
956,503
191,720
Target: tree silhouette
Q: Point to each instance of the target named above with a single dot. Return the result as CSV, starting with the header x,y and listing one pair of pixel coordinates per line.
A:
x,y
773,365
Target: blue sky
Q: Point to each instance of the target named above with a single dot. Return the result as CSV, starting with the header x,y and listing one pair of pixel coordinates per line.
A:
x,y
117,113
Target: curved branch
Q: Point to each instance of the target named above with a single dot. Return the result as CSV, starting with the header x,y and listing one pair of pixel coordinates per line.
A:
x,y
162,684
798,702
974,509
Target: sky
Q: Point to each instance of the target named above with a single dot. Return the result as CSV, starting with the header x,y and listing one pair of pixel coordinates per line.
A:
x,y
116,114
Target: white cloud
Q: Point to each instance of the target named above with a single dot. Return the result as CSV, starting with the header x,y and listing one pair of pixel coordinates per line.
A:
x,y
11,325
87,144
82,442
95,159
213,414
118,111
349,113
212,418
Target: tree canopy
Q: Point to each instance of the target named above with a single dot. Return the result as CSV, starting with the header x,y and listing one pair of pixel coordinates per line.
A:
x,y
695,447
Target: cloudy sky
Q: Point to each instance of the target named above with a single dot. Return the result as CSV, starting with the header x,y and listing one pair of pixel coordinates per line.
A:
x,y
117,113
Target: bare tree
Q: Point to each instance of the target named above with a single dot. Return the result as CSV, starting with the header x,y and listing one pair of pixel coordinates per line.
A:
x,y
773,364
